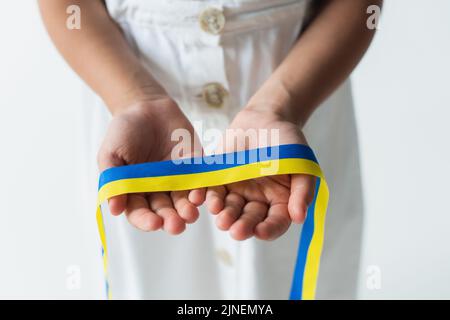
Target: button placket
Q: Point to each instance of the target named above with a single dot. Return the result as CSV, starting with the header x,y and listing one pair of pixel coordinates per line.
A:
x,y
225,252
214,94
225,257
212,20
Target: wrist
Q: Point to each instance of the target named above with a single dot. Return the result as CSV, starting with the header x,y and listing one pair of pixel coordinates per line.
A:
x,y
149,107
145,101
138,88
275,97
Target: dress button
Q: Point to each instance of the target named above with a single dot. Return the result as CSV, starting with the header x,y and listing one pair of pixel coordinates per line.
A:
x,y
212,21
225,257
214,94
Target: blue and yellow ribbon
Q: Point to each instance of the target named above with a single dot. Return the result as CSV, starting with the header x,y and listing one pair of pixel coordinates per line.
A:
x,y
223,169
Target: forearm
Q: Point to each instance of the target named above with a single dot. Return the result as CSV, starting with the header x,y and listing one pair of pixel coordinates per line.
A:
x,y
99,53
320,61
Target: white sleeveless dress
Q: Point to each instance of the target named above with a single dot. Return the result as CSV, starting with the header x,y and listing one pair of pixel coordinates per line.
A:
x,y
211,56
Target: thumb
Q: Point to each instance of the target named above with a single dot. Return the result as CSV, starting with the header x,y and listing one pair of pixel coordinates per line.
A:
x,y
302,194
107,160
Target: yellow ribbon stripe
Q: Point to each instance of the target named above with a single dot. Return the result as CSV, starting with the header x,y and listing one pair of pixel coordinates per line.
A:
x,y
307,268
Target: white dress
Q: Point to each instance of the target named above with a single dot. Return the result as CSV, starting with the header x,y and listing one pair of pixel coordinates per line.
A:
x,y
211,56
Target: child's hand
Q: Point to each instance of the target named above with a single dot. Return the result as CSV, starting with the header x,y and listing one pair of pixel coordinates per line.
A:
x,y
266,206
142,133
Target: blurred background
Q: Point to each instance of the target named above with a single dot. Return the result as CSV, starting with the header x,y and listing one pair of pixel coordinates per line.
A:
x,y
48,244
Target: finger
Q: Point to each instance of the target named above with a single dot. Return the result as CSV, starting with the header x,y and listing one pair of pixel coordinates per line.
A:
x,y
253,213
162,205
276,223
197,196
302,194
186,210
139,214
215,197
117,204
233,206
106,160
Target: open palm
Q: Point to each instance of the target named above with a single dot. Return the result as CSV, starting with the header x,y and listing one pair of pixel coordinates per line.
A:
x,y
141,134
263,207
